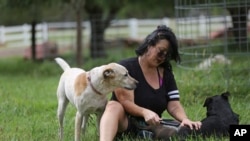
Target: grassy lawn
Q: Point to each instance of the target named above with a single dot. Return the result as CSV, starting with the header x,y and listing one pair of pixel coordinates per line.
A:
x,y
28,95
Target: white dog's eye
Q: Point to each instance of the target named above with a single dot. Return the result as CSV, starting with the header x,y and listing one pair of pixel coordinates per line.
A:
x,y
126,75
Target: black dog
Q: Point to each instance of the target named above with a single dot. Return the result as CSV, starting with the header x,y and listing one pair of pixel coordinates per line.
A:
x,y
219,118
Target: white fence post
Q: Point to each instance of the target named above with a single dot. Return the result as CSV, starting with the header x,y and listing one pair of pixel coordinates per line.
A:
x,y
26,33
165,21
202,25
133,28
45,32
2,35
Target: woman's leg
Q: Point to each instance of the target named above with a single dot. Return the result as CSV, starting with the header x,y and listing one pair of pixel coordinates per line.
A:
x,y
113,120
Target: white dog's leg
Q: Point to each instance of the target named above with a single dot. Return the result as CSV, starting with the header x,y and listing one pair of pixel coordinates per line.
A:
x,y
78,124
62,104
84,123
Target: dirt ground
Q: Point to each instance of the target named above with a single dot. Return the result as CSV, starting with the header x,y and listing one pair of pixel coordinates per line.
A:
x,y
6,52
11,52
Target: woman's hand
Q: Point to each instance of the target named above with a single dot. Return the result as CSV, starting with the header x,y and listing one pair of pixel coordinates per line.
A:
x,y
151,117
191,124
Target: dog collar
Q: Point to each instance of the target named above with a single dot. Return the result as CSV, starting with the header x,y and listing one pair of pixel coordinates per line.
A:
x,y
92,86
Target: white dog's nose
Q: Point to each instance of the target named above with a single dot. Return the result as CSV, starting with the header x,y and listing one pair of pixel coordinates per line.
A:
x,y
132,85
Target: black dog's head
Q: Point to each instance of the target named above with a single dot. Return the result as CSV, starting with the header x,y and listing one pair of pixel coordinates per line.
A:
x,y
219,105
215,103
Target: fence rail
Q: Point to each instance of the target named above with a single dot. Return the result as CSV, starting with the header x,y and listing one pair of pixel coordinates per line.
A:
x,y
133,28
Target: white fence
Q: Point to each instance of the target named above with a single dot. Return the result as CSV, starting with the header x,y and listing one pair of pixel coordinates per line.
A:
x,y
45,31
133,28
22,33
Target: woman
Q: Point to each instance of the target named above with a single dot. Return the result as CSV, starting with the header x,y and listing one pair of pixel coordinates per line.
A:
x,y
155,92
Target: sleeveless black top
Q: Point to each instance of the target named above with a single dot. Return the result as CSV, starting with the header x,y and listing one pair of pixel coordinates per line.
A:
x,y
146,96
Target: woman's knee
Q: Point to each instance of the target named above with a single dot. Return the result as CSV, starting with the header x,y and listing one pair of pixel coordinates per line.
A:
x,y
114,107
116,110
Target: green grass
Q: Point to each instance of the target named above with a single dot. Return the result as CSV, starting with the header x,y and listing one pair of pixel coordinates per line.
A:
x,y
28,95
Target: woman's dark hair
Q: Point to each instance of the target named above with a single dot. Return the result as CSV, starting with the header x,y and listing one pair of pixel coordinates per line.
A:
x,y
162,32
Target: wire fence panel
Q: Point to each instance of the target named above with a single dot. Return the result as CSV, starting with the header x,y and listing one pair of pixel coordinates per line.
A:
x,y
214,32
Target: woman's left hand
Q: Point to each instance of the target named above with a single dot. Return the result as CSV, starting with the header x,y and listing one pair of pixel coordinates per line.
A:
x,y
191,124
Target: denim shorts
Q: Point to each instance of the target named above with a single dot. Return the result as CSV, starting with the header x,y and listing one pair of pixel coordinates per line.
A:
x,y
134,132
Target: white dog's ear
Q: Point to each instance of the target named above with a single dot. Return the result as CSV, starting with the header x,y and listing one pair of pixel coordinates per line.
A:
x,y
108,73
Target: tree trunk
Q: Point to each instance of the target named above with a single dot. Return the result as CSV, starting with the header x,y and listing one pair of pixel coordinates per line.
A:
x,y
33,40
239,21
79,57
97,36
100,20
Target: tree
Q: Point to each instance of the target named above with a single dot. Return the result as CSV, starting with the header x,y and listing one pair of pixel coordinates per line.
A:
x,y
78,8
100,14
32,12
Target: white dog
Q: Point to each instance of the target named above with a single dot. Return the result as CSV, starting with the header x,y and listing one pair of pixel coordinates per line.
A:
x,y
88,90
218,58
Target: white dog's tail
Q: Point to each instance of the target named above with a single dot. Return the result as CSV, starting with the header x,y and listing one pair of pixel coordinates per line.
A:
x,y
63,64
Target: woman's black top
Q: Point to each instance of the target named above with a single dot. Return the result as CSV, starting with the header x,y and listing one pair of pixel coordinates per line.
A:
x,y
146,96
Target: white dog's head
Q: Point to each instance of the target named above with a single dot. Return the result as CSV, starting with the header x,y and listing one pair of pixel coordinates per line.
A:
x,y
112,76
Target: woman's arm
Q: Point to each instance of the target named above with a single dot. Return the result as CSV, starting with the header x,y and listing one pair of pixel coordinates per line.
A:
x,y
126,98
176,110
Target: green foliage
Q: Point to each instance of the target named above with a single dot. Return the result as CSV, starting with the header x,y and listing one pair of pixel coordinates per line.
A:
x,y
147,9
24,11
27,67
